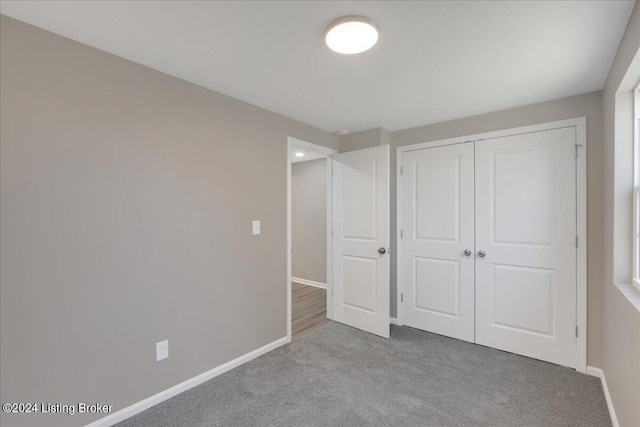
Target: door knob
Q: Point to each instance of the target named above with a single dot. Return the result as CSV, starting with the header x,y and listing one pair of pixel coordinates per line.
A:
x,y
467,252
382,251
481,254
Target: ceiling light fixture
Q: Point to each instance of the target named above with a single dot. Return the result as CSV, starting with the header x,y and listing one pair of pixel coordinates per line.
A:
x,y
299,154
351,34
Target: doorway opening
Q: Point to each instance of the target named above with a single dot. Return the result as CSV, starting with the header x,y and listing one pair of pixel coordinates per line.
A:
x,y
309,270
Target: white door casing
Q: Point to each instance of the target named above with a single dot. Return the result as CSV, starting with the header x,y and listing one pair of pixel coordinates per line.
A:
x,y
526,229
360,228
292,145
438,227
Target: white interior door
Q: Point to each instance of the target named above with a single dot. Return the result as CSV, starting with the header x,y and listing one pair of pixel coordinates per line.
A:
x,y
361,239
526,244
438,240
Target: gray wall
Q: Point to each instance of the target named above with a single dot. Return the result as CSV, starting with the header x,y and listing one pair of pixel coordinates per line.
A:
x,y
621,326
309,220
364,139
127,197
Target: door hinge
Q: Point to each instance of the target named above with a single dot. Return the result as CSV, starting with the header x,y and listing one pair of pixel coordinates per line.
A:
x,y
576,241
576,331
402,234
331,232
401,170
401,297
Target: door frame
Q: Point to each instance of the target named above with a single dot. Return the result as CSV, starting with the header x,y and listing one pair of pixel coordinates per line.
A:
x,y
579,123
328,152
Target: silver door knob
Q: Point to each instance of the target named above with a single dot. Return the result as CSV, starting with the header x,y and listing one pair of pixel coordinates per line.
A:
x,y
382,251
467,252
481,254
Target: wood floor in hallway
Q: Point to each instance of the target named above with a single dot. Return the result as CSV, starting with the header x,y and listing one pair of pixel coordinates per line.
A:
x,y
308,309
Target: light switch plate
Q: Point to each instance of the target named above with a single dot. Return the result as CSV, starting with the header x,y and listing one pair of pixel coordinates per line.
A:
x,y
162,350
256,227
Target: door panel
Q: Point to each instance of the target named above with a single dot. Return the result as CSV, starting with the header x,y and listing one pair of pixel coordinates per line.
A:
x,y
437,225
526,225
360,276
359,198
443,293
360,228
437,191
533,285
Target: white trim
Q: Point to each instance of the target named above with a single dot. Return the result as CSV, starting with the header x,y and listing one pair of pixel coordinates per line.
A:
x,y
493,134
399,311
581,215
393,321
636,134
294,142
309,282
147,403
289,233
631,293
310,146
635,273
329,276
597,372
581,252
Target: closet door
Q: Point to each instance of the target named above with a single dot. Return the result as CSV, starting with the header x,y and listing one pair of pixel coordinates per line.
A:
x,y
526,244
437,228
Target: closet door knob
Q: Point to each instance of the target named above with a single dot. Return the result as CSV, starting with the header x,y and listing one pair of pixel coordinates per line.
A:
x,y
481,254
467,252
382,251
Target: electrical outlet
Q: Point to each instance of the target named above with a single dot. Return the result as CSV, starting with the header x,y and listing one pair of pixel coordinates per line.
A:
x,y
162,350
256,227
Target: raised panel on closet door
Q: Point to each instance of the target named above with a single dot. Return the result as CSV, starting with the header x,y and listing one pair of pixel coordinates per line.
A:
x,y
525,238
437,222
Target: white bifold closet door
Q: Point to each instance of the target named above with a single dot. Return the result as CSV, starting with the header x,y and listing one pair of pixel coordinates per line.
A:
x,y
526,229
489,243
438,218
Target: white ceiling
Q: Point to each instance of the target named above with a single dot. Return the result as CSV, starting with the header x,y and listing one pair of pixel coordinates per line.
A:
x,y
435,61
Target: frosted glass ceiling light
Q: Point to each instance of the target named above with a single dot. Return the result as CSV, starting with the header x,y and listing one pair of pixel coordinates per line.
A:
x,y
351,34
299,154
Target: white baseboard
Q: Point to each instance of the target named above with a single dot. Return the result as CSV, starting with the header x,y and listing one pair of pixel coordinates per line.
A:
x,y
597,372
147,403
309,282
393,321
